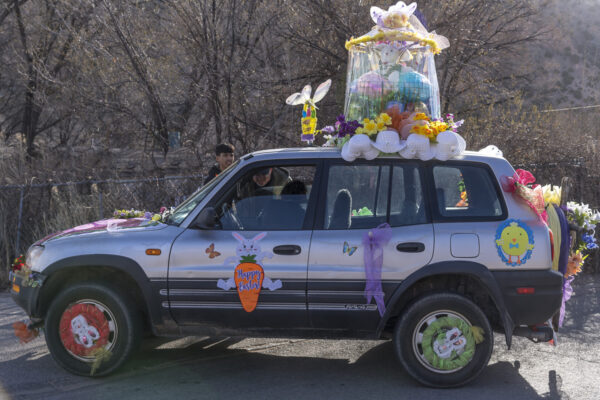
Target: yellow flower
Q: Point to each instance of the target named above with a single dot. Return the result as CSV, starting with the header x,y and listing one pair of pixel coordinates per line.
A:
x,y
360,130
421,117
551,194
384,119
424,130
370,127
438,126
380,126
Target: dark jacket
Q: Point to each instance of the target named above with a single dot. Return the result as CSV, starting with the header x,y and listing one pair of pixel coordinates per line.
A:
x,y
212,172
279,177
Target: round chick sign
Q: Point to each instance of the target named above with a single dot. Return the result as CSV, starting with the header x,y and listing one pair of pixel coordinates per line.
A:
x,y
514,240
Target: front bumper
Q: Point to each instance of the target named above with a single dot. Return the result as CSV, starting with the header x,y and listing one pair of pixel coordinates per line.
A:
x,y
537,307
25,291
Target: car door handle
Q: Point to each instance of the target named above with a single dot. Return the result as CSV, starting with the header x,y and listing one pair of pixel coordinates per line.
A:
x,y
410,247
287,250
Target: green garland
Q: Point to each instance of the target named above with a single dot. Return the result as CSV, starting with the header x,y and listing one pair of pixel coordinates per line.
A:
x,y
437,331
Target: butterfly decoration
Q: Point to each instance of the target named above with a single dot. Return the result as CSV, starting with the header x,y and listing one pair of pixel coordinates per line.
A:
x,y
210,250
349,249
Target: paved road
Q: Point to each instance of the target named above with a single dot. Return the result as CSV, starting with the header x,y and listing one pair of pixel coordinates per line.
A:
x,y
203,368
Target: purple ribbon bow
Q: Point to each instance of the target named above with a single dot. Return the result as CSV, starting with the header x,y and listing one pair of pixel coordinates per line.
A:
x,y
373,242
567,293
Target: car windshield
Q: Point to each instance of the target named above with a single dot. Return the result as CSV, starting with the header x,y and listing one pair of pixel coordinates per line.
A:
x,y
183,210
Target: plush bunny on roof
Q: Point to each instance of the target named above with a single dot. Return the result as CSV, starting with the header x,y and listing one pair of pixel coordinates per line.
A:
x,y
399,23
396,16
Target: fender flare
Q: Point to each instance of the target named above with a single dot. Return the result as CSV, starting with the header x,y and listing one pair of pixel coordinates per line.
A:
x,y
120,263
468,268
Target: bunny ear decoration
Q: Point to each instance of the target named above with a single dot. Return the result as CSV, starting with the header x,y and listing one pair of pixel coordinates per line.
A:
x,y
295,99
259,236
377,15
322,90
306,92
239,237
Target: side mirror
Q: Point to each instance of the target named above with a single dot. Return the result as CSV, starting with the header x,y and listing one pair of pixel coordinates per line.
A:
x,y
207,219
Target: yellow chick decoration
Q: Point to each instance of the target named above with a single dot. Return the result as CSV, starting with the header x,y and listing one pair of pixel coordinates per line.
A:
x,y
514,239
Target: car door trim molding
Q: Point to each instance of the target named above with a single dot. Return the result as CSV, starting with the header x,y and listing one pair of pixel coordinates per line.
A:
x,y
200,292
235,306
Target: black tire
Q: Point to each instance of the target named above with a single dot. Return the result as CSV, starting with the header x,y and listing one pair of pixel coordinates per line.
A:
x,y
123,324
421,316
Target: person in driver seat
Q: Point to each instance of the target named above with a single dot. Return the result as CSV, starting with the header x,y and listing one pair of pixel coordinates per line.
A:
x,y
264,182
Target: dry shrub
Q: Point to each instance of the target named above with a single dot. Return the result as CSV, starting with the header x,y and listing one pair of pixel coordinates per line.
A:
x,y
51,207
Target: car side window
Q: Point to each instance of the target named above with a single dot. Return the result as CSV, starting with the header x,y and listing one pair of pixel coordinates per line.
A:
x,y
465,191
407,204
357,196
267,198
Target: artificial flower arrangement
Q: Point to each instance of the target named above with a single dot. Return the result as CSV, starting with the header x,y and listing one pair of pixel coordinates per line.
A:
x,y
20,268
131,213
18,264
341,132
583,220
580,229
414,135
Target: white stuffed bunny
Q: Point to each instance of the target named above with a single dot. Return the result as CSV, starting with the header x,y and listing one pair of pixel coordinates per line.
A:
x,y
418,146
449,144
359,146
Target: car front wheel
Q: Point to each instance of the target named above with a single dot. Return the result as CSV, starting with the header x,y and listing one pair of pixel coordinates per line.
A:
x,y
443,340
92,328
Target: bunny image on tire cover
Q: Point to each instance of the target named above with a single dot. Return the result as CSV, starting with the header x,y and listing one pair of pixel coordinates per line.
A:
x,y
249,276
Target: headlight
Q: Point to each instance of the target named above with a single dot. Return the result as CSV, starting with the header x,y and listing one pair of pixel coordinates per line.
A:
x,y
33,255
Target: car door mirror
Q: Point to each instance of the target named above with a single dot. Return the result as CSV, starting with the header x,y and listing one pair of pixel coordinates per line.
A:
x,y
207,219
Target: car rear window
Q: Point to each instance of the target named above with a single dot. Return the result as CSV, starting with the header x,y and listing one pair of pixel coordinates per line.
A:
x,y
466,191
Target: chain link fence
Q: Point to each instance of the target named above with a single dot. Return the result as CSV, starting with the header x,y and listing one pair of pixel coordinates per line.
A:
x,y
30,212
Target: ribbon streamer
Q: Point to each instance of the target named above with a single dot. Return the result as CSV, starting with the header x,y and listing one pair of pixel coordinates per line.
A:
x,y
373,242
567,293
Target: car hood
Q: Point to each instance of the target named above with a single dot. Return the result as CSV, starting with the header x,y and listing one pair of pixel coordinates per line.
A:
x,y
105,226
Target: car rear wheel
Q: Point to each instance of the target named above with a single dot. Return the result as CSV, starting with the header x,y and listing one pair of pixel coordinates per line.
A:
x,y
92,327
443,340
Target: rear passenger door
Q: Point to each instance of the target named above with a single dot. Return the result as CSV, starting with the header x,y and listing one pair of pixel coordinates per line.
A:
x,y
467,211
356,198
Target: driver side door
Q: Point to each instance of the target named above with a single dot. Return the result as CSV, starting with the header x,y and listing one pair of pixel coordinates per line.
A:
x,y
250,270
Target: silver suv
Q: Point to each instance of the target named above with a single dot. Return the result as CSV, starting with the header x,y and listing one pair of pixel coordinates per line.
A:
x,y
298,242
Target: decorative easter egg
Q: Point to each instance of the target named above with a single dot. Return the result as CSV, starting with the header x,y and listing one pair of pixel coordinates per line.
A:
x,y
414,87
372,85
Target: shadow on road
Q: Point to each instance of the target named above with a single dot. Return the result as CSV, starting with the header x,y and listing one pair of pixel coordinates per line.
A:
x,y
212,368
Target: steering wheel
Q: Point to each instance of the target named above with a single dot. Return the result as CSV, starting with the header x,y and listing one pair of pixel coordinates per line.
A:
x,y
228,218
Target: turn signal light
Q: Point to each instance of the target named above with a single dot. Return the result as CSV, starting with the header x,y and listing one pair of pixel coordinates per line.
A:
x,y
525,290
153,252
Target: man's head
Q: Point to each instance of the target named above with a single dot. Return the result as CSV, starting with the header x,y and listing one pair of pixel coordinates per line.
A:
x,y
224,155
262,176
